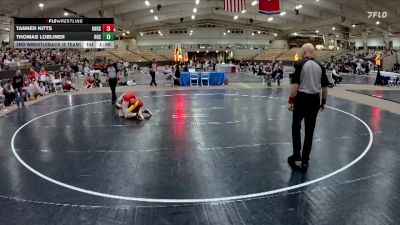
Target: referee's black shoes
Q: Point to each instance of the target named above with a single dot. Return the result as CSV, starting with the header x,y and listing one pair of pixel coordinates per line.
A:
x,y
292,162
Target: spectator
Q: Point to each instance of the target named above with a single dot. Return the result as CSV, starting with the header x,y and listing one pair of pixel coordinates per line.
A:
x,y
2,97
86,70
33,75
68,73
277,73
43,76
18,84
177,75
379,79
68,86
9,93
336,76
89,81
32,90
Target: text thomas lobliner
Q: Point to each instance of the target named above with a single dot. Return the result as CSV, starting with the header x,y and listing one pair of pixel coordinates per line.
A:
x,y
40,37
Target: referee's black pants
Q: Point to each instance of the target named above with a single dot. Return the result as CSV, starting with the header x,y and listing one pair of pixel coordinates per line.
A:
x,y
113,84
306,107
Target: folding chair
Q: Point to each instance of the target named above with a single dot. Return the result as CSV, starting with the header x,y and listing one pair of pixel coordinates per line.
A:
x,y
165,80
194,77
392,81
56,83
205,76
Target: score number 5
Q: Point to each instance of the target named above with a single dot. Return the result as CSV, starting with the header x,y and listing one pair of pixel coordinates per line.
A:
x,y
108,27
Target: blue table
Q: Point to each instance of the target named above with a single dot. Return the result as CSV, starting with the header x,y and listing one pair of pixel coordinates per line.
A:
x,y
216,79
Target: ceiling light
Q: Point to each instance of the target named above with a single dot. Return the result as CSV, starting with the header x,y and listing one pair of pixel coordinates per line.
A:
x,y
41,5
353,25
317,0
333,28
128,32
141,34
337,35
194,10
283,13
151,10
229,31
6,28
193,17
161,34
197,2
275,34
123,34
295,34
224,33
259,32
317,31
147,3
299,6
252,34
244,11
270,19
217,51
236,17
377,22
226,51
198,51
191,31
207,51
156,17
253,3
65,13
190,34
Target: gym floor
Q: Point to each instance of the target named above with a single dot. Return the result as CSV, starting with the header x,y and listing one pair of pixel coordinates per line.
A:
x,y
205,157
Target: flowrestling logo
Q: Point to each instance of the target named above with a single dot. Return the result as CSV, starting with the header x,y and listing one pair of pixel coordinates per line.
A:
x,y
380,15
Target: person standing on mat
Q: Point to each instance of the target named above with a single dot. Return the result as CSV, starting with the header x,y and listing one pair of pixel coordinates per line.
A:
x,y
153,70
112,71
18,85
308,95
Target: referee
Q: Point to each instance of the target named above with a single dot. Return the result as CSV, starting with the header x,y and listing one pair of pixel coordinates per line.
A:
x,y
308,96
112,76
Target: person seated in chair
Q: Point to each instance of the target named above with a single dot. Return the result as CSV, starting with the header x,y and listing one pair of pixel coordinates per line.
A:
x,y
68,86
33,90
277,73
89,81
168,72
9,93
336,76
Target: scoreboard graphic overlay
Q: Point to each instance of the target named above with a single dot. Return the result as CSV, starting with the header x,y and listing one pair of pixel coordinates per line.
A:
x,y
64,33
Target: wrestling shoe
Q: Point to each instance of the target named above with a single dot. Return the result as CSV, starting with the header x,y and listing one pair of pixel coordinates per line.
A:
x,y
148,112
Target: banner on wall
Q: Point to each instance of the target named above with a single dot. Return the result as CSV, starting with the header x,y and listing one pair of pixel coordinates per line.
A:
x,y
269,7
180,55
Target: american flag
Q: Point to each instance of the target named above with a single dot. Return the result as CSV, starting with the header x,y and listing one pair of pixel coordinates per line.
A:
x,y
235,5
